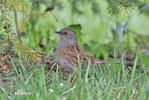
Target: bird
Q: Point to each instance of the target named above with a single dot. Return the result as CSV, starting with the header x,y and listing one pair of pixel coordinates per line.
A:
x,y
68,51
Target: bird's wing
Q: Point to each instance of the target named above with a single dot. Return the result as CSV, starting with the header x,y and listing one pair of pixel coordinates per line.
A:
x,y
72,52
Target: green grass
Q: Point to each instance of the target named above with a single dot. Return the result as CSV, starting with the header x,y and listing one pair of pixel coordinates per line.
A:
x,y
105,82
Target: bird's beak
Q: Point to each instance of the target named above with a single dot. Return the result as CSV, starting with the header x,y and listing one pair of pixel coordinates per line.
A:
x,y
58,32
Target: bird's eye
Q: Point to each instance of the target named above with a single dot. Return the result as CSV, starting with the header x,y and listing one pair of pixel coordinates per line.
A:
x,y
65,33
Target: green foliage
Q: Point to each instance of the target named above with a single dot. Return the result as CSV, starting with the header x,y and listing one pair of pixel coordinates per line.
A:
x,y
116,6
77,28
144,8
27,21
145,58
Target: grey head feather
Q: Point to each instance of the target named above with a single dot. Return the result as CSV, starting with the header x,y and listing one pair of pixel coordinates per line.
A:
x,y
67,36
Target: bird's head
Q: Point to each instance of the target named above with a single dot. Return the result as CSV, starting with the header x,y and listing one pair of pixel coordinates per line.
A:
x,y
67,35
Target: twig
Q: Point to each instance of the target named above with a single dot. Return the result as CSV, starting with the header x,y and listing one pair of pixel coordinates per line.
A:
x,y
69,90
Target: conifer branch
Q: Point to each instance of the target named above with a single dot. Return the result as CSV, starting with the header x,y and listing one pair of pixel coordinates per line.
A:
x,y
5,19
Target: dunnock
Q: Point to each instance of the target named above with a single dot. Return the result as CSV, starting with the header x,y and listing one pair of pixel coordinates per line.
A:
x,y
68,50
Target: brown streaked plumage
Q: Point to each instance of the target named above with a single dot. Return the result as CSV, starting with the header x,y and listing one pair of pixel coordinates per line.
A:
x,y
68,50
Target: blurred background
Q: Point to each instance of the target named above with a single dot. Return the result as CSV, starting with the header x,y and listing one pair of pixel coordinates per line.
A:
x,y
101,26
